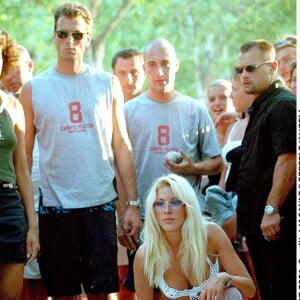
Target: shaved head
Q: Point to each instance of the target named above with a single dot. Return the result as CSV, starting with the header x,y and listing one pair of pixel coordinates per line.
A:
x,y
161,65
161,43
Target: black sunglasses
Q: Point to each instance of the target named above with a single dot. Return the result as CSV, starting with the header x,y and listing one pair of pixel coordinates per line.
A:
x,y
250,68
62,34
291,42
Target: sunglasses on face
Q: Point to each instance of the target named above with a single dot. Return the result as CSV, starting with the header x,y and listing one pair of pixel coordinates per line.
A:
x,y
173,204
250,68
62,34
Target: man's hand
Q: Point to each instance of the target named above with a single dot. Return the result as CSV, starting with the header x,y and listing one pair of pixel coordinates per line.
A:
x,y
185,167
226,118
270,226
129,226
32,245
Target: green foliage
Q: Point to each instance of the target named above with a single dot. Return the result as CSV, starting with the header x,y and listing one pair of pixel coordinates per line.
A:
x,y
206,34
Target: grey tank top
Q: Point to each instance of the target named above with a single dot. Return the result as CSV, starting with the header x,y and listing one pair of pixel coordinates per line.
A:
x,y
156,128
73,120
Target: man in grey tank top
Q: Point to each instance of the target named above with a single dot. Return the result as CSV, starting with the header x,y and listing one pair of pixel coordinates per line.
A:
x,y
77,114
162,119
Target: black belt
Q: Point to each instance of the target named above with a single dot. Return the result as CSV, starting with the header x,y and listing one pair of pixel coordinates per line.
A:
x,y
6,184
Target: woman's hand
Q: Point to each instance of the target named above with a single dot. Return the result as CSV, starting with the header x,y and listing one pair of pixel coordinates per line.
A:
x,y
214,289
32,245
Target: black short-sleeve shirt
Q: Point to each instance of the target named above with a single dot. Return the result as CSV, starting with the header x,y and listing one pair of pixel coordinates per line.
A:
x,y
271,131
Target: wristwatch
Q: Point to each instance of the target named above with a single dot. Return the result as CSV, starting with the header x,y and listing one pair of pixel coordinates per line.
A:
x,y
271,210
227,283
133,202
225,278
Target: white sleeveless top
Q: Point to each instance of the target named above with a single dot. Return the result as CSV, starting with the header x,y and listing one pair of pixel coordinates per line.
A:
x,y
230,144
193,292
73,120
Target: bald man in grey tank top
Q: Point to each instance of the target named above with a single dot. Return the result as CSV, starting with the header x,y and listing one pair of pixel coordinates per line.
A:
x,y
161,120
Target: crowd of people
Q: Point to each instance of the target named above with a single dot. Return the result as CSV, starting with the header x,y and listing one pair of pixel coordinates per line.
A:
x,y
84,173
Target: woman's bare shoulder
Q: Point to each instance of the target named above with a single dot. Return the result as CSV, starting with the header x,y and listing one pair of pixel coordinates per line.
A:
x,y
15,108
215,237
212,228
11,104
139,258
140,252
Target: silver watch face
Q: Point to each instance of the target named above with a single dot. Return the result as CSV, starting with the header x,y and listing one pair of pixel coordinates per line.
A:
x,y
269,210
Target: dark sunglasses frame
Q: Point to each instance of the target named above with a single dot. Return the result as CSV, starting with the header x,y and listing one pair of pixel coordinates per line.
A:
x,y
250,68
76,35
289,42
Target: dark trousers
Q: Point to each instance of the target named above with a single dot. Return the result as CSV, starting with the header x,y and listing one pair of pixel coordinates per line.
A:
x,y
275,266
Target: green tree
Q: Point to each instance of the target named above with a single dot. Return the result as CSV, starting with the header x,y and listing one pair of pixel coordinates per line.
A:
x,y
206,34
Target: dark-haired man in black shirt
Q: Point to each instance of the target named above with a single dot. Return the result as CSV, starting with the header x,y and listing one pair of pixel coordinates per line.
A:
x,y
266,209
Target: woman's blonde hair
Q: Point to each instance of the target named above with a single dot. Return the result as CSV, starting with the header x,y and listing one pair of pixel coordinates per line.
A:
x,y
193,247
226,84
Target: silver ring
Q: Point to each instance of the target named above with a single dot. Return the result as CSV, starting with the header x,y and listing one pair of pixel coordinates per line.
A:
x,y
266,238
122,227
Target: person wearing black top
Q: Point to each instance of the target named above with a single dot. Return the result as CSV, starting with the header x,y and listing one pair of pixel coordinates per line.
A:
x,y
266,211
